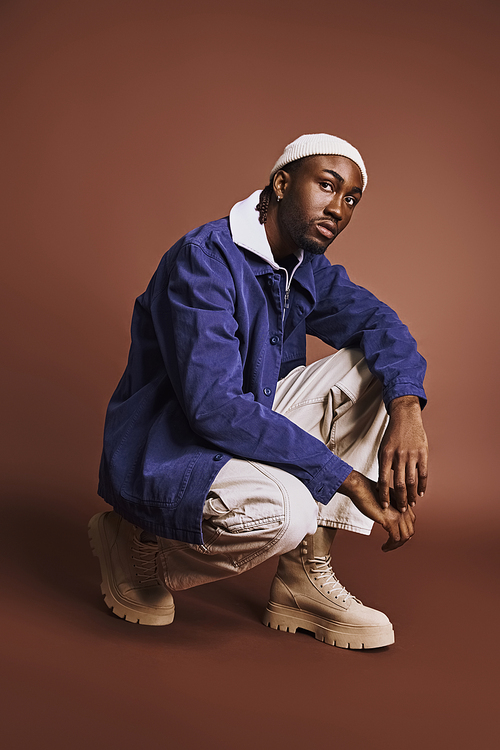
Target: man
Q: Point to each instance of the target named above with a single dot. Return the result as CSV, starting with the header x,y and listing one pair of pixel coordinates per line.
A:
x,y
222,449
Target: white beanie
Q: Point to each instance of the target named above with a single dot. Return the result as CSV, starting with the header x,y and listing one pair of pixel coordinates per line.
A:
x,y
320,143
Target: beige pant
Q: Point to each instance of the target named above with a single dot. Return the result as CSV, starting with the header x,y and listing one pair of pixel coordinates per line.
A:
x,y
254,511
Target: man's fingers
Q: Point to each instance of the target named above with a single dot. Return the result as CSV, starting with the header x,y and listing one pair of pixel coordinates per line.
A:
x,y
410,528
384,493
391,525
405,528
391,545
400,486
384,480
400,530
422,475
411,482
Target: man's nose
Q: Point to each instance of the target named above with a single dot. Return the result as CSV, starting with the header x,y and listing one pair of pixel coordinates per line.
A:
x,y
334,207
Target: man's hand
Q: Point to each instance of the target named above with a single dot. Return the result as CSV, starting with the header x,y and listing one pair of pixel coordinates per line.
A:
x,y
364,494
404,450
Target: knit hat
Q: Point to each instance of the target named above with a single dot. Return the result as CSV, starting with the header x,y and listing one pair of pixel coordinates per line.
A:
x,y
320,143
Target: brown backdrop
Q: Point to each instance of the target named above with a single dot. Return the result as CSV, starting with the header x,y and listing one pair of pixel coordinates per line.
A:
x,y
124,125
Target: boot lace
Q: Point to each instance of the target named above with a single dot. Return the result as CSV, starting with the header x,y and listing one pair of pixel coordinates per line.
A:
x,y
321,570
144,560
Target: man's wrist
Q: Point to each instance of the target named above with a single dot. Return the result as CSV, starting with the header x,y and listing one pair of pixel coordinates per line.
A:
x,y
404,402
352,483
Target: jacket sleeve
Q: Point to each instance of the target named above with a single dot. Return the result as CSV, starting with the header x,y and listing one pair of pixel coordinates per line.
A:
x,y
346,314
194,319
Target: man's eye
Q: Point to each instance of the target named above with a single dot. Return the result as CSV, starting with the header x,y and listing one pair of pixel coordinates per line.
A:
x,y
351,201
327,185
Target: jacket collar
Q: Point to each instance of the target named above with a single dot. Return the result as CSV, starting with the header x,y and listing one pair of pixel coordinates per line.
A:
x,y
249,233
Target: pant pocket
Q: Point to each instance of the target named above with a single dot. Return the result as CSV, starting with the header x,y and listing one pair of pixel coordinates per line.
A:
x,y
337,404
240,515
245,497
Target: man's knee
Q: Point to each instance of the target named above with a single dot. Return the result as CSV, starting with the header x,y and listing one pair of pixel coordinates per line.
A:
x,y
261,507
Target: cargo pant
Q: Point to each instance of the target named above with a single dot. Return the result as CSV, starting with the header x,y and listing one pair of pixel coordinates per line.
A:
x,y
255,511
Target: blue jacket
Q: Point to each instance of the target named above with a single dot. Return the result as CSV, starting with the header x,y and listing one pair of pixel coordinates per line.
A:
x,y
210,339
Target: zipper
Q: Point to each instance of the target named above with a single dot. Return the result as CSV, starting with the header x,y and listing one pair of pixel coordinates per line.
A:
x,y
285,302
288,282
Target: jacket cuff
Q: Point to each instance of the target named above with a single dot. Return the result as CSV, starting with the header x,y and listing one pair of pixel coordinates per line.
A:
x,y
404,388
327,481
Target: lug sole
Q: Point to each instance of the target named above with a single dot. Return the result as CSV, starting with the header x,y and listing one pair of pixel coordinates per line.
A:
x,y
356,637
120,606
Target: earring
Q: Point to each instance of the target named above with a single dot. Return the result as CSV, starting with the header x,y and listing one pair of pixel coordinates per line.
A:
x,y
278,198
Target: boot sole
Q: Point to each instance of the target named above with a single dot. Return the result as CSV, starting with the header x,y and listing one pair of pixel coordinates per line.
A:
x,y
112,597
288,619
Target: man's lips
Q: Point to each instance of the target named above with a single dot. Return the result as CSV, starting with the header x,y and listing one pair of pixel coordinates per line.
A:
x,y
327,228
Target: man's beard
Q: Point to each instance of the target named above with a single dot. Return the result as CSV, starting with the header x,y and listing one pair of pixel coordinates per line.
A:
x,y
312,246
298,227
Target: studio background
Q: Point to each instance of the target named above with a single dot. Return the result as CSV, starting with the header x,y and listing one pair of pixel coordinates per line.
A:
x,y
124,125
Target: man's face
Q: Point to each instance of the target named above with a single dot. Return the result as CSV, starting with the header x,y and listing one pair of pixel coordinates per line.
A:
x,y
318,200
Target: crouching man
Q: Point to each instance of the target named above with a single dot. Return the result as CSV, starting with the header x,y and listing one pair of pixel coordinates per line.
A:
x,y
223,449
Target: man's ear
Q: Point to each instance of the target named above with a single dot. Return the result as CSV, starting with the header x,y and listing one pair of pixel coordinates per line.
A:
x,y
281,181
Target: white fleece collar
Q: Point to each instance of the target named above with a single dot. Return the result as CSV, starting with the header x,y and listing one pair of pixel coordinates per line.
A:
x,y
248,232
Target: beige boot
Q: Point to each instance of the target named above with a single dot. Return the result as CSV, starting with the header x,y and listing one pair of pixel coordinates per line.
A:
x,y
306,594
130,583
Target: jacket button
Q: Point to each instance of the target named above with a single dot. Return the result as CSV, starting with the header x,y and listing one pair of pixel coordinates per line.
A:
x,y
267,391
218,457
274,340
269,282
